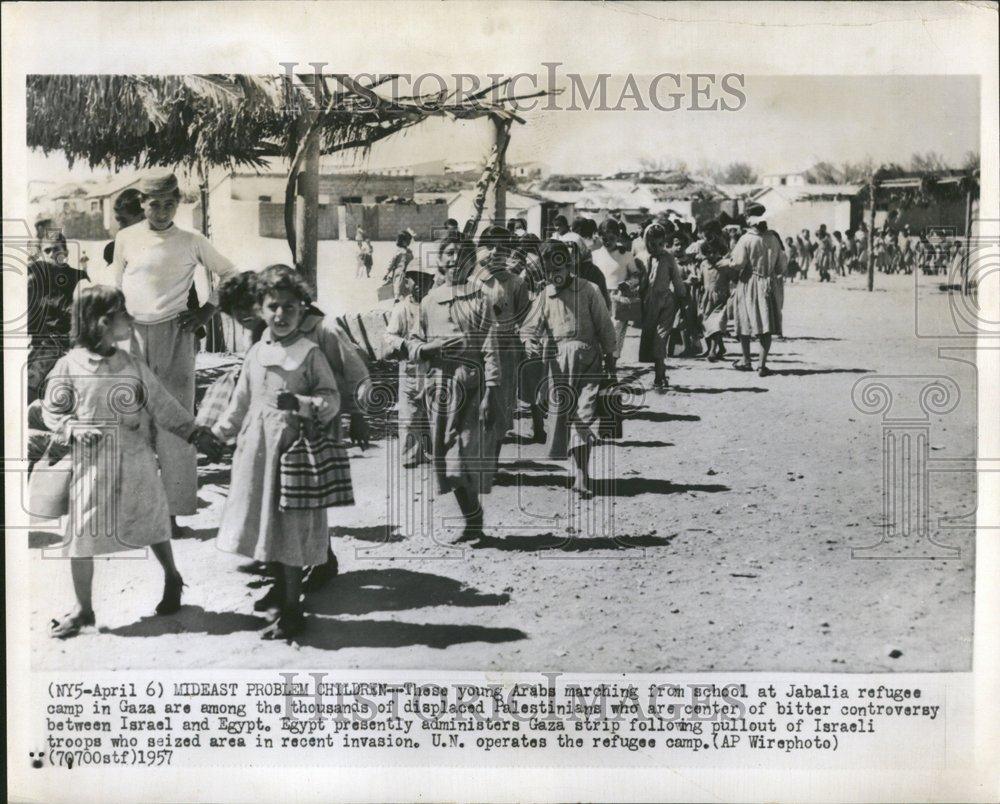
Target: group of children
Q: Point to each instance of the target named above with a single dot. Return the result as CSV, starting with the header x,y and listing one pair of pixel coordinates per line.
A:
x,y
121,401
481,330
504,320
893,250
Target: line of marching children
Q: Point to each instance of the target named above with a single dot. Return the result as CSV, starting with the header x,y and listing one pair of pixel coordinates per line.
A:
x,y
508,318
895,250
482,326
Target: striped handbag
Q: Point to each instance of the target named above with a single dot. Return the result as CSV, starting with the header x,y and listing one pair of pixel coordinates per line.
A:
x,y
314,473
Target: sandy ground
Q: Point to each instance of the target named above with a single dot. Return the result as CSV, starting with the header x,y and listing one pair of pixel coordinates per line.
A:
x,y
727,544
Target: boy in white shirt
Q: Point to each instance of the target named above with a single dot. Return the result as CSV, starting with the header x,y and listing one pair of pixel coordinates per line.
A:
x,y
154,265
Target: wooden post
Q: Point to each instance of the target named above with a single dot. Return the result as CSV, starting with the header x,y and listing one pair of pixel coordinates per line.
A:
x,y
500,139
307,211
203,196
872,190
968,241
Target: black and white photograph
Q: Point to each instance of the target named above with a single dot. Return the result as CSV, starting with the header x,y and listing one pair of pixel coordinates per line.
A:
x,y
571,367
503,411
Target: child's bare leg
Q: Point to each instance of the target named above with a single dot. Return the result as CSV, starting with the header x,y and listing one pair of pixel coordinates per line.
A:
x,y
83,584
537,424
765,347
165,555
291,621
173,584
82,614
468,504
745,346
581,469
659,371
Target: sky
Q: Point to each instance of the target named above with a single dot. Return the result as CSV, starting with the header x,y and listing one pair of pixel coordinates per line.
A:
x,y
787,124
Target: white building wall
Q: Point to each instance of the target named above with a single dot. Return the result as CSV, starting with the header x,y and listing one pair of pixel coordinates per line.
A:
x,y
799,215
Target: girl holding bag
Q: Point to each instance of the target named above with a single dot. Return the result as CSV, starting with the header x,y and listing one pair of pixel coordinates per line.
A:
x,y
285,397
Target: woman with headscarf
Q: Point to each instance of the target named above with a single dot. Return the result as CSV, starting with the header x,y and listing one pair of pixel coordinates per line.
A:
x,y
456,338
660,289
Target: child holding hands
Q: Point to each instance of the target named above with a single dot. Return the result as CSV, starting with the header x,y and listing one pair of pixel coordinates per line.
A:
x,y
107,400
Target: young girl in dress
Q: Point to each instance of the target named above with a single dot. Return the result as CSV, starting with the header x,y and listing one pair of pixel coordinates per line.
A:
x,y
106,400
572,312
792,249
715,301
456,338
414,434
286,386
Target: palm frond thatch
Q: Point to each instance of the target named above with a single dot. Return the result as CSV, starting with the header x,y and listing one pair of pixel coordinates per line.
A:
x,y
225,120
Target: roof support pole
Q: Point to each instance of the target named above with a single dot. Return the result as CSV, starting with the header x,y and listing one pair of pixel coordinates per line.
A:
x,y
307,208
967,257
501,137
872,190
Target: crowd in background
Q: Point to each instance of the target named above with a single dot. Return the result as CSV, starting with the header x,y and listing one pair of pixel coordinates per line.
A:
x,y
504,321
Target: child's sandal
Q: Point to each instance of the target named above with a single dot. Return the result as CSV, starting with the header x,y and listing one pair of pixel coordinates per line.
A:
x,y
70,625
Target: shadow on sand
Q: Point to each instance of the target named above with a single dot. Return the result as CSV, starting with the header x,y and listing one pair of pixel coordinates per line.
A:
x,y
190,620
327,634
567,544
365,591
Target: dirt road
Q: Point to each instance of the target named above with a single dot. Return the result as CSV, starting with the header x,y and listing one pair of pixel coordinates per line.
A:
x,y
727,544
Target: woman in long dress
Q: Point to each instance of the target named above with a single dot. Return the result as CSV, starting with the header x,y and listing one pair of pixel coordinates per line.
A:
x,y
757,257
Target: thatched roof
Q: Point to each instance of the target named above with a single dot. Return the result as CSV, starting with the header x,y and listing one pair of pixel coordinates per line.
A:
x,y
226,120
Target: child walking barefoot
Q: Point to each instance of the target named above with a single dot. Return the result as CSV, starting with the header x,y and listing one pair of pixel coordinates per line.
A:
x,y
715,301
285,382
107,400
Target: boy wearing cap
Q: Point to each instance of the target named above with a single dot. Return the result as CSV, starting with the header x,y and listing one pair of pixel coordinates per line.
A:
x,y
154,266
